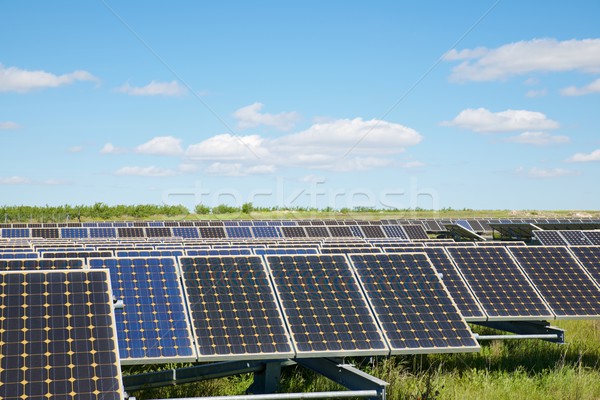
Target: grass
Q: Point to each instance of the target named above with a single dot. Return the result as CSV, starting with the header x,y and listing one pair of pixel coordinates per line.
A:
x,y
521,369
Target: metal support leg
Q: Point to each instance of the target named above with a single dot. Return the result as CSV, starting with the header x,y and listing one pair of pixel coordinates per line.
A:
x,y
346,375
535,329
267,379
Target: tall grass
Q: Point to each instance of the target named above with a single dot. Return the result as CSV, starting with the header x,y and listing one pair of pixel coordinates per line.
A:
x,y
512,369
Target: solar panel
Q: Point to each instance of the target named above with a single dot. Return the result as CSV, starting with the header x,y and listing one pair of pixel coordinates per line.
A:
x,y
324,306
498,283
137,232
293,231
234,310
47,233
283,251
149,253
17,255
103,232
238,232
589,257
560,279
458,288
550,238
211,232
394,231
340,231
415,231
593,237
158,232
76,254
356,231
185,232
575,238
153,326
349,249
218,252
41,264
413,307
373,231
74,233
317,231
57,336
266,232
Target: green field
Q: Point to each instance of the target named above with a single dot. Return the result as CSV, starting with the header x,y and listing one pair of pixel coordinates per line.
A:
x,y
513,369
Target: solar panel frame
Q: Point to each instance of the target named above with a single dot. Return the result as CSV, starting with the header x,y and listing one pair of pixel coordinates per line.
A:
x,y
198,273
58,336
407,295
310,269
154,307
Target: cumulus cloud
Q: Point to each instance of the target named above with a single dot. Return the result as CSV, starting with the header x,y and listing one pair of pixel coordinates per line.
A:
x,y
518,58
250,117
541,173
593,87
484,121
151,171
109,148
538,139
154,88
239,169
14,180
229,147
8,125
586,157
536,93
161,146
13,79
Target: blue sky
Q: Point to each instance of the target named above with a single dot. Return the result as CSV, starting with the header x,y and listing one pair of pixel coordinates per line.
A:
x,y
477,104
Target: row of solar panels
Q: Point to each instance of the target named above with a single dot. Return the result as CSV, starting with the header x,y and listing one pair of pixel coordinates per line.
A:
x,y
568,238
245,306
430,224
140,250
224,232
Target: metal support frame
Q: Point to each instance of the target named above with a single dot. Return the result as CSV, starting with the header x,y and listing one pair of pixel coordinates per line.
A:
x,y
524,330
266,378
346,375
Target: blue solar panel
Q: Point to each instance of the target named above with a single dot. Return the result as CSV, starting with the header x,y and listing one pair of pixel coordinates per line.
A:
x,y
287,250
186,232
356,231
238,232
266,231
16,233
103,232
74,233
394,231
153,325
218,252
149,253
18,255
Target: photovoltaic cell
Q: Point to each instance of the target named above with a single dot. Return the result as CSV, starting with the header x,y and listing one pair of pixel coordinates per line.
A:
x,y
593,237
317,231
589,257
218,252
74,233
211,232
16,233
283,251
186,232
340,231
103,232
162,232
498,283
57,336
568,290
394,231
76,254
575,238
152,326
234,310
293,231
415,231
349,249
17,255
266,232
412,305
148,253
238,232
324,306
372,231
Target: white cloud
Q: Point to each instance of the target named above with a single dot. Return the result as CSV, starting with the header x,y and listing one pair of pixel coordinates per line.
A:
x,y
14,180
484,121
151,171
357,164
540,173
239,169
593,87
250,117
109,148
13,79
8,125
518,58
55,182
154,88
229,147
538,139
583,157
161,146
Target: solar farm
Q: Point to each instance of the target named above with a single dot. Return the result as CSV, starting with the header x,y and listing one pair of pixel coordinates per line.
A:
x,y
82,304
